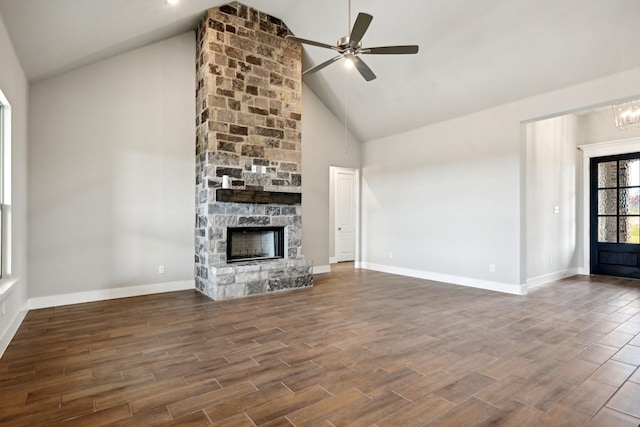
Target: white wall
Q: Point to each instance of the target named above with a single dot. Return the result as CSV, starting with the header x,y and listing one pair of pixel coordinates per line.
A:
x,y
447,199
111,173
323,145
14,289
553,238
444,200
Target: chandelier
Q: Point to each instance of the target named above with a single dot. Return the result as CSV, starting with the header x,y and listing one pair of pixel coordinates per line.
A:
x,y
627,115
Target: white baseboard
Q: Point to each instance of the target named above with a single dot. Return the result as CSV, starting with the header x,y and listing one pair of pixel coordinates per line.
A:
x,y
446,278
105,294
319,269
333,260
551,277
584,271
7,334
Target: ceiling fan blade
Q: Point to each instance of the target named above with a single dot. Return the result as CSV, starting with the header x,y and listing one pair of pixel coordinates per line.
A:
x,y
390,50
359,28
363,69
310,42
321,66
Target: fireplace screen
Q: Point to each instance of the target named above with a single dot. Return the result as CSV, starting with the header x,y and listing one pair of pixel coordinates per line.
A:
x,y
254,243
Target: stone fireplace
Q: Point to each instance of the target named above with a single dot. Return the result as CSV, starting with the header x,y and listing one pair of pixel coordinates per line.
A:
x,y
248,128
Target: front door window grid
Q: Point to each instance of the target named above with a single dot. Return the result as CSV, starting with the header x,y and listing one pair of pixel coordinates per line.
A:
x,y
619,201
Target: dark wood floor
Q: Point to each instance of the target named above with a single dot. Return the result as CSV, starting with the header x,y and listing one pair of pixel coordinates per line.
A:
x,y
360,348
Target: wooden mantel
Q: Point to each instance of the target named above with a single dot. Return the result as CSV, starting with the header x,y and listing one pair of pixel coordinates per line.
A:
x,y
260,197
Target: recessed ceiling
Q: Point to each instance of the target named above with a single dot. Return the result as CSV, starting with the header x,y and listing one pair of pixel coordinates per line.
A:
x,y
473,55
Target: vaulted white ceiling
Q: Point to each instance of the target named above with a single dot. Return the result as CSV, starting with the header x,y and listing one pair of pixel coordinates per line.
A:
x,y
474,54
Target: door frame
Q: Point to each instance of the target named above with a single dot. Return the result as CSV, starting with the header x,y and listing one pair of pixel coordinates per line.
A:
x,y
602,149
333,172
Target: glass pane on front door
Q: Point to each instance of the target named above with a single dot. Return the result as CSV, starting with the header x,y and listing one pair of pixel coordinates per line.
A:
x,y
629,173
608,175
629,201
607,202
608,229
628,229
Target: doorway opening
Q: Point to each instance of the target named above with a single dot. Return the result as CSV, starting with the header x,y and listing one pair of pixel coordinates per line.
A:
x,y
557,195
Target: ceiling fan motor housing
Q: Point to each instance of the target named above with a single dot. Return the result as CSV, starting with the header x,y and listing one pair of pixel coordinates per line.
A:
x,y
344,43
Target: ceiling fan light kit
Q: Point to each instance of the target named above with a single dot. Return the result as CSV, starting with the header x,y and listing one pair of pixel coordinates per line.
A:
x,y
350,48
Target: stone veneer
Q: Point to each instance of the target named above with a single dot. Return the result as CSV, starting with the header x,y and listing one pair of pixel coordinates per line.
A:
x,y
249,89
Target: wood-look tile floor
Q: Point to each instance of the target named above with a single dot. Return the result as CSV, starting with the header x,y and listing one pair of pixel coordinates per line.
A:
x,y
359,348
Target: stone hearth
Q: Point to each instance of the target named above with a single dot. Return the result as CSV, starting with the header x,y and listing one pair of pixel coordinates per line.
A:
x,y
248,128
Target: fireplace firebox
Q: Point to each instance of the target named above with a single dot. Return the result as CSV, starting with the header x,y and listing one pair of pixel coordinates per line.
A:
x,y
254,243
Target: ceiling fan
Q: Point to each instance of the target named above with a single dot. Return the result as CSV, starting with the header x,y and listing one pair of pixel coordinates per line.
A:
x,y
350,47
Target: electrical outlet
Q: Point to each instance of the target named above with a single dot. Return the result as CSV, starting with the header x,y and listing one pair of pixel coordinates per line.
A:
x,y
492,268
254,168
161,269
550,261
2,309
390,255
556,209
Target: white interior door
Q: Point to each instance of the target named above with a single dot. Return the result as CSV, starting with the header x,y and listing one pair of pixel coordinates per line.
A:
x,y
345,215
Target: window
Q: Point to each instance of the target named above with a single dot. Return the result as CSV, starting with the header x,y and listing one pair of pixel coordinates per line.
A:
x,y
5,185
2,108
